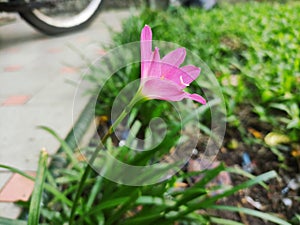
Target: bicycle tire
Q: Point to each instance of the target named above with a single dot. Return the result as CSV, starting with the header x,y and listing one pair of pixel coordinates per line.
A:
x,y
55,26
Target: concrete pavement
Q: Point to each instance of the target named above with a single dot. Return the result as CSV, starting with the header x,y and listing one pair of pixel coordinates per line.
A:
x,y
35,71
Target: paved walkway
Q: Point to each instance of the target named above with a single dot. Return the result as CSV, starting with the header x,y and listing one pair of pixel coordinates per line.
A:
x,y
35,71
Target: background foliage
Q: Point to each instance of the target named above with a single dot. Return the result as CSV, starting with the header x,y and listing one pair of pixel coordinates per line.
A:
x,y
253,49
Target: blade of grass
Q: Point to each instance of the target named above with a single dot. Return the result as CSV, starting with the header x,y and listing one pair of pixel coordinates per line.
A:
x,y
222,221
97,210
63,144
193,218
125,206
262,215
210,200
15,170
190,194
247,184
94,192
151,200
79,191
35,203
58,195
242,172
6,221
146,218
210,175
48,187
109,204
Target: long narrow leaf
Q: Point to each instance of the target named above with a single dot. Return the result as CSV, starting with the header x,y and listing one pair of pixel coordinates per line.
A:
x,y
242,172
247,184
63,144
151,200
210,200
5,221
35,203
48,187
146,218
108,204
79,191
125,207
58,195
222,221
95,191
15,170
210,175
113,203
262,215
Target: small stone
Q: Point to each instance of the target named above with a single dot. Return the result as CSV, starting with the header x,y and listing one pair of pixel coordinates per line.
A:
x,y
287,202
255,204
195,152
294,185
122,143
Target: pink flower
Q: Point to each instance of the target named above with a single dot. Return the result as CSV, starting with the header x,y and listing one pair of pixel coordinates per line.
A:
x,y
162,78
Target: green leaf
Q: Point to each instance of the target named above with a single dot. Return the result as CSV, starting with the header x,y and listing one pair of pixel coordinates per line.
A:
x,y
146,218
5,221
48,187
101,219
58,195
247,184
221,221
210,175
109,204
36,199
207,202
124,207
64,145
151,200
96,189
79,191
15,170
264,216
238,170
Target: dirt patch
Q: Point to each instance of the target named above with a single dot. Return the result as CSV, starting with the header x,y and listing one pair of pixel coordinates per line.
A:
x,y
282,198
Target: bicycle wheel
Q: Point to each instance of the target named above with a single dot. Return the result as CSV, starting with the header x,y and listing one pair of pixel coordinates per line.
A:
x,y
65,16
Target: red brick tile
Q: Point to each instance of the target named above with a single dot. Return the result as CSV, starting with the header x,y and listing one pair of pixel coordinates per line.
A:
x,y
12,68
82,39
17,188
54,50
12,50
16,100
68,70
101,52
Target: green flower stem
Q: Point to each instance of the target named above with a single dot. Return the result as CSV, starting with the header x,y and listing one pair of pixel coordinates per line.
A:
x,y
137,98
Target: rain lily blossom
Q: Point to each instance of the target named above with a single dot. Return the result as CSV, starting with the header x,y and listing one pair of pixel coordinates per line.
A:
x,y
162,78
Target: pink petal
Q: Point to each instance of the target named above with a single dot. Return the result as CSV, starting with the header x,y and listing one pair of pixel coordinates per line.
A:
x,y
155,88
173,75
196,98
152,68
175,57
183,76
146,43
146,48
190,73
173,60
162,89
